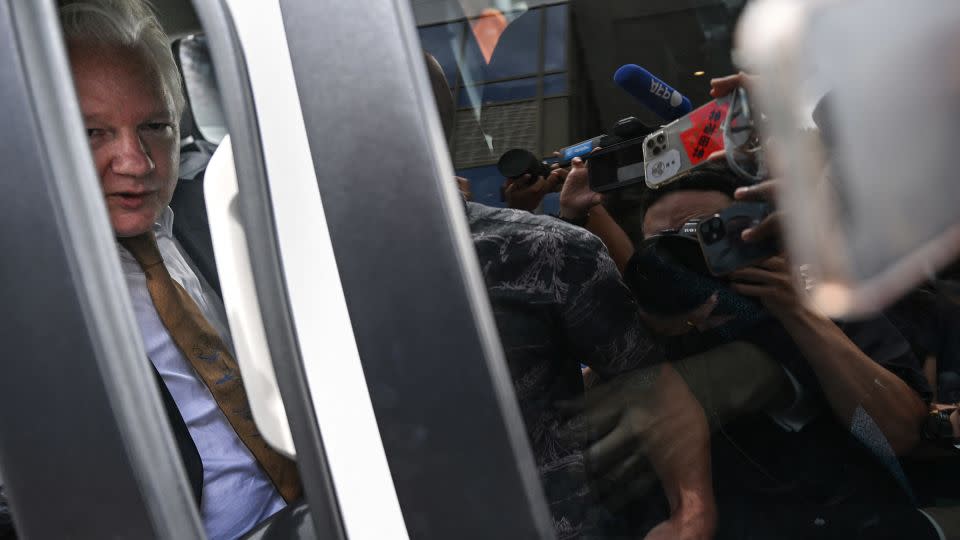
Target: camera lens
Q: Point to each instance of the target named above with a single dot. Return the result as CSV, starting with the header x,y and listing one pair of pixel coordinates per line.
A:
x,y
517,162
712,231
656,150
661,138
650,143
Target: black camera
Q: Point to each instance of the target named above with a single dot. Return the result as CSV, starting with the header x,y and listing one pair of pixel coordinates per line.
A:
x,y
712,230
618,164
714,244
518,162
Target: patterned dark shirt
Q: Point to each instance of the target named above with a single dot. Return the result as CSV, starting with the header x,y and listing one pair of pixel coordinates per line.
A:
x,y
559,302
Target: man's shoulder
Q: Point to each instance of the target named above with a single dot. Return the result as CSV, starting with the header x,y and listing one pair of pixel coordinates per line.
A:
x,y
506,222
483,215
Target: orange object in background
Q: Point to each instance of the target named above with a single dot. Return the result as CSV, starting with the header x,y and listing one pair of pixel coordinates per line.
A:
x,y
487,29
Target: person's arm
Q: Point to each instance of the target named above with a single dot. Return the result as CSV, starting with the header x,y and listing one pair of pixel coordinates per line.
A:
x,y
578,201
602,224
678,446
850,379
650,415
654,414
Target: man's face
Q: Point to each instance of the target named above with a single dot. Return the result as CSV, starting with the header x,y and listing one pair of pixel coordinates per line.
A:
x,y
678,207
132,132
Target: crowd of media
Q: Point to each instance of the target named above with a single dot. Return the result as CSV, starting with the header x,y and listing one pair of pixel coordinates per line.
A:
x,y
674,379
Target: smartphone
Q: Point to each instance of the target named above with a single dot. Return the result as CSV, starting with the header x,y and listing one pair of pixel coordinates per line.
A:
x,y
616,166
723,248
684,144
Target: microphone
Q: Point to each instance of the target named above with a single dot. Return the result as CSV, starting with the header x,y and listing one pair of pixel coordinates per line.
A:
x,y
652,92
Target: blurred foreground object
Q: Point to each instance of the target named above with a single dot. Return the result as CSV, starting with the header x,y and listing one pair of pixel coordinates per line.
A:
x,y
862,99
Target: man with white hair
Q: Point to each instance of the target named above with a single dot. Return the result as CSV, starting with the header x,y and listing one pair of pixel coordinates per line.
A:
x,y
131,98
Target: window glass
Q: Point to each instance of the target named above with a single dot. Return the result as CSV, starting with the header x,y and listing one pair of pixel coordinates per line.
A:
x,y
485,183
516,90
555,35
555,85
697,384
502,45
443,41
201,85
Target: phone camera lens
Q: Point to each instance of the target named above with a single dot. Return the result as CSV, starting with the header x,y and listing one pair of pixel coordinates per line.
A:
x,y
712,230
656,150
650,143
661,138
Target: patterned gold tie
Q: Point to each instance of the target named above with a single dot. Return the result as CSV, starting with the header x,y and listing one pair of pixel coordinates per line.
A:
x,y
211,359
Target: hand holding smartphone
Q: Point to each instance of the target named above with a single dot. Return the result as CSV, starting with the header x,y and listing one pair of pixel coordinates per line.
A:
x,y
686,143
720,235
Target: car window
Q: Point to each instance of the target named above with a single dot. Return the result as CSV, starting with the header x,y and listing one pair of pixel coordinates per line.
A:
x,y
655,385
200,83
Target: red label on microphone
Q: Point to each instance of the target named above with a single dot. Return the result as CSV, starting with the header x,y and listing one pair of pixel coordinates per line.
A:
x,y
704,136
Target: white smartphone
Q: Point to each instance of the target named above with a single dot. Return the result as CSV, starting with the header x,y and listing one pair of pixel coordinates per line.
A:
x,y
685,143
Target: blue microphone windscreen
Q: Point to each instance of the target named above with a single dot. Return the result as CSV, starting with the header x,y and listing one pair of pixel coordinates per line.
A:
x,y
657,95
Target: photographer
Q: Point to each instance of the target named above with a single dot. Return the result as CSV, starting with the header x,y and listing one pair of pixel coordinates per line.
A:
x,y
863,372
851,381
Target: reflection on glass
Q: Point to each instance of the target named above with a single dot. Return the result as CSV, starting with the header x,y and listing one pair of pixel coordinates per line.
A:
x,y
201,86
555,85
487,29
501,92
555,39
515,53
443,42
744,395
485,183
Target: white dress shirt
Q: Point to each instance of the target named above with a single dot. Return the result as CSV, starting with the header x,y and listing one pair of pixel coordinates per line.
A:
x,y
237,494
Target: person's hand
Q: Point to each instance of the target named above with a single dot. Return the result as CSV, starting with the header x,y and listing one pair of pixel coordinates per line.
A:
x,y
771,282
618,414
525,194
576,197
725,85
645,415
770,226
700,318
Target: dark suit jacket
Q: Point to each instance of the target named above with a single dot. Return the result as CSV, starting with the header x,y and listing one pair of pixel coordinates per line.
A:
x,y
188,450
